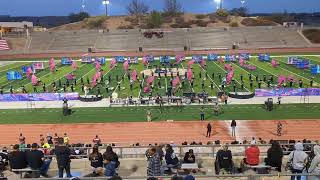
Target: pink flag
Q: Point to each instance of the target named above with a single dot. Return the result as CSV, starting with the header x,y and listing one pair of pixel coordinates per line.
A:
x,y
98,66
70,76
203,63
74,65
228,67
126,66
146,89
98,75
281,79
34,79
179,58
229,77
150,79
29,72
134,75
189,74
113,62
145,61
274,63
176,81
94,81
190,63
241,62
52,64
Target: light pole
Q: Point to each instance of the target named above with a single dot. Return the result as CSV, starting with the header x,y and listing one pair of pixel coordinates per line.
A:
x,y
219,4
106,3
82,5
242,3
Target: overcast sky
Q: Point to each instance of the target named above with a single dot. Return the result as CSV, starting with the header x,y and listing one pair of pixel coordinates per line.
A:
x,y
118,7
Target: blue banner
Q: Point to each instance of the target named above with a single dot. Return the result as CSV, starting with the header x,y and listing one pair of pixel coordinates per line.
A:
x,y
38,97
287,92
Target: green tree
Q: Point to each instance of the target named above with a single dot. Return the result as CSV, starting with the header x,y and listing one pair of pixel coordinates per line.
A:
x,y
222,13
155,20
78,17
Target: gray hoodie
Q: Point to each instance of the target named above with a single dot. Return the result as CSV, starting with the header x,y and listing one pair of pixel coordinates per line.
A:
x,y
315,163
298,157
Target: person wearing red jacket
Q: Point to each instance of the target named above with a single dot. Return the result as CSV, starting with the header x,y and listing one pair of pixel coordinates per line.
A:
x,y
252,154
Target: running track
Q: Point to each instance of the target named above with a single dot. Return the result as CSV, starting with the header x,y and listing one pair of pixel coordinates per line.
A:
x,y
165,132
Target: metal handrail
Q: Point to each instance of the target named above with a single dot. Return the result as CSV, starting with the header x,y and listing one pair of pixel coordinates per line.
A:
x,y
248,176
209,150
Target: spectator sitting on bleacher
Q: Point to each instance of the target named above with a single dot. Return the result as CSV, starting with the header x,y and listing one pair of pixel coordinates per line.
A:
x,y
315,163
170,157
35,160
252,154
189,157
224,160
96,159
114,157
17,158
109,166
3,161
298,158
274,156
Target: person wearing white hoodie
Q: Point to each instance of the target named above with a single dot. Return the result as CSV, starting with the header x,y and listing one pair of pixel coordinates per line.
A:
x,y
315,163
298,158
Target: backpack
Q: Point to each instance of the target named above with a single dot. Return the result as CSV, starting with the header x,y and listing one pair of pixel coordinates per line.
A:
x,y
309,160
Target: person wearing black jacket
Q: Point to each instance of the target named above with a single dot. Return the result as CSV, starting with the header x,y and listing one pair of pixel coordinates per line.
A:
x,y
62,153
209,128
233,127
35,160
96,158
274,156
189,157
224,160
17,158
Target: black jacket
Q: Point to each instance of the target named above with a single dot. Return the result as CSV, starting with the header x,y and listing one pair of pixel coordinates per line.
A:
x,y
96,160
233,123
18,160
63,155
274,158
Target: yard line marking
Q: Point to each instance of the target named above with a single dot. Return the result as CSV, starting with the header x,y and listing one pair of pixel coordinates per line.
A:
x,y
295,73
226,71
29,82
13,67
188,80
124,76
44,75
247,71
210,78
49,84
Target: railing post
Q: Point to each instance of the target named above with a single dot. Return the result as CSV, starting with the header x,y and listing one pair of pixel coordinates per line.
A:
x,y
121,152
213,151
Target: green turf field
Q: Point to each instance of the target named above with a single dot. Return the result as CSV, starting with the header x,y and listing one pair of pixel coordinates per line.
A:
x,y
138,114
119,81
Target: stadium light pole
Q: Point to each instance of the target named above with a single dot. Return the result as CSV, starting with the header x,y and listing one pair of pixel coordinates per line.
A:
x,y
219,4
106,3
242,3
